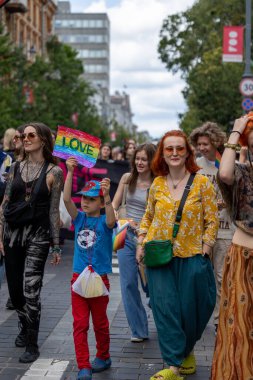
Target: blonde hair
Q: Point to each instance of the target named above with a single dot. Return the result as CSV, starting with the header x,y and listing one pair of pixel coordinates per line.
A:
x,y
8,139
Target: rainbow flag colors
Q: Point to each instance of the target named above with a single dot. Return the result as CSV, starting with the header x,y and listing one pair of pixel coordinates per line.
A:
x,y
217,159
73,143
119,236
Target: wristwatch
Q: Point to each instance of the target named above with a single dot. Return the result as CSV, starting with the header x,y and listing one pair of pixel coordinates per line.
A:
x,y
206,256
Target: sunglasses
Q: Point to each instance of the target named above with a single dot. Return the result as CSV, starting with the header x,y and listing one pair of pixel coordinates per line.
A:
x,y
180,150
29,136
15,138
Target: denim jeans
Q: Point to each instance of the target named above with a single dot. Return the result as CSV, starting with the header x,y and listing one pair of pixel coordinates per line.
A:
x,y
134,309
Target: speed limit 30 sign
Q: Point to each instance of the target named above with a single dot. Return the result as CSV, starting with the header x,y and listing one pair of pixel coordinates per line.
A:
x,y
246,86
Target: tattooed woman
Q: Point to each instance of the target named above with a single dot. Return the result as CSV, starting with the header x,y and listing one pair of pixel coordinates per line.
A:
x,y
26,246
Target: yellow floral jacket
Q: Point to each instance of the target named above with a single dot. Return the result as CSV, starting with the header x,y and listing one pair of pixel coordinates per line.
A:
x,y
199,223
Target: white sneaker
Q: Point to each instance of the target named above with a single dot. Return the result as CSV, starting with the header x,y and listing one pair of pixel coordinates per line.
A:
x,y
136,340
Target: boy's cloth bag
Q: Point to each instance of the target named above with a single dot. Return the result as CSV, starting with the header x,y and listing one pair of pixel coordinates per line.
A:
x,y
89,284
160,252
64,215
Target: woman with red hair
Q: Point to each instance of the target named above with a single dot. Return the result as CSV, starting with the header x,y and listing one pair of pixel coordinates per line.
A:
x,y
182,293
233,356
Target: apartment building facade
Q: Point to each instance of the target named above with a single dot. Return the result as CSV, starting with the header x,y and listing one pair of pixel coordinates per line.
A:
x,y
120,110
29,23
89,35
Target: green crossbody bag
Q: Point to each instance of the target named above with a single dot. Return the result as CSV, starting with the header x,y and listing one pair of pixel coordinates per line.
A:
x,y
160,252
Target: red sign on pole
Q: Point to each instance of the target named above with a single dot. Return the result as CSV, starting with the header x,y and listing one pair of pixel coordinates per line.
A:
x,y
28,94
232,44
3,2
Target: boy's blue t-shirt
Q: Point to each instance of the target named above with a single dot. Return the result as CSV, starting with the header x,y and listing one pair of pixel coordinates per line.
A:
x,y
93,239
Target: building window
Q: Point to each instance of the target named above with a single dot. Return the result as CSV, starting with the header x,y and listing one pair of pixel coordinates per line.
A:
x,y
95,69
82,53
82,38
57,23
34,14
72,23
100,83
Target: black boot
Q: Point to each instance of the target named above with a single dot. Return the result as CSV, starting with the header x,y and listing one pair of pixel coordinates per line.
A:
x,y
22,336
9,305
31,352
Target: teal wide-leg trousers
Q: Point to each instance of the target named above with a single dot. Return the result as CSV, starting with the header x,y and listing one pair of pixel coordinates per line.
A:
x,y
182,296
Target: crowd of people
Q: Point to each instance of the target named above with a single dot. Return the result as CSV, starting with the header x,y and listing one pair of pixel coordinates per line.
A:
x,y
189,199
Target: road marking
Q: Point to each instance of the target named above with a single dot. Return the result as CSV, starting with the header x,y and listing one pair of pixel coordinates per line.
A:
x,y
46,368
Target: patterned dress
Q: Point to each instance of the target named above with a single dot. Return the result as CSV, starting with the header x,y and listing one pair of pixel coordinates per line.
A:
x,y
233,356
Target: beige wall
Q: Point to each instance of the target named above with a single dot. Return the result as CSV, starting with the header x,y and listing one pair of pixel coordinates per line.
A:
x,y
26,29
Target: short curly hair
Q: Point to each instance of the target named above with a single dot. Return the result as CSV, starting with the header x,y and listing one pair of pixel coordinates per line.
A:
x,y
211,130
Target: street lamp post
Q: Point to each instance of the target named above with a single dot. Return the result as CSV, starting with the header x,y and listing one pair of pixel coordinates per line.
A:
x,y
246,84
247,71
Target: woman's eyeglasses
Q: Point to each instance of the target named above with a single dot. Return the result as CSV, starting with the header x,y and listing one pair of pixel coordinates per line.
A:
x,y
16,138
29,136
180,150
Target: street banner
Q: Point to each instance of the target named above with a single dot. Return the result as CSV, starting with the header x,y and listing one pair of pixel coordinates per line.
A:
x,y
3,2
74,143
232,44
28,94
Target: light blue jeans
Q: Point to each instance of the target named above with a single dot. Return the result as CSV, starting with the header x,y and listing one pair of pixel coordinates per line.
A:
x,y
134,309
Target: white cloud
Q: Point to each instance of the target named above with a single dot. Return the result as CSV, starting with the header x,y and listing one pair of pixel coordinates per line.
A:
x,y
155,94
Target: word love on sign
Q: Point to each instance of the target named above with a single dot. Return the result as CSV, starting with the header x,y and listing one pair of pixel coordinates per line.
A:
x,y
73,143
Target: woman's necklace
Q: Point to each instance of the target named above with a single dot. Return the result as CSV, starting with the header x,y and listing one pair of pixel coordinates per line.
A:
x,y
29,189
143,184
175,185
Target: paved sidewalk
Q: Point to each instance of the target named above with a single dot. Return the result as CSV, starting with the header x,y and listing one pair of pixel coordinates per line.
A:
x,y
130,361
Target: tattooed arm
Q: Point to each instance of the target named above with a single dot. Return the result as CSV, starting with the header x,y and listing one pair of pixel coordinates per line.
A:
x,y
56,179
6,198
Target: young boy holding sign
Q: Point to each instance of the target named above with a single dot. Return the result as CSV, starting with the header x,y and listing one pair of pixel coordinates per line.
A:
x,y
93,250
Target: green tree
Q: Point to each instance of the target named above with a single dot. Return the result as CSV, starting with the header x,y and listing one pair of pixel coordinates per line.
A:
x,y
190,42
60,91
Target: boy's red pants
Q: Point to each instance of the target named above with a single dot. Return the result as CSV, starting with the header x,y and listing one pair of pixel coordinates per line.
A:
x,y
81,309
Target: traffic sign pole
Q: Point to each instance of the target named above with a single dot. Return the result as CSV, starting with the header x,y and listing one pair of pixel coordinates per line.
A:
x,y
247,78
247,104
246,87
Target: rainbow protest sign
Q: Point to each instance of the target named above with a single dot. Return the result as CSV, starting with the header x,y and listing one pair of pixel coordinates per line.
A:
x,y
73,143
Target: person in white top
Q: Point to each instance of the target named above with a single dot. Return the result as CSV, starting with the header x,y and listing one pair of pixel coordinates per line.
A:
x,y
207,140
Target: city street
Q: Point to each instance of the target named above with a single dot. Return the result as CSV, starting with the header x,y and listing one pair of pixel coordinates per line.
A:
x,y
130,361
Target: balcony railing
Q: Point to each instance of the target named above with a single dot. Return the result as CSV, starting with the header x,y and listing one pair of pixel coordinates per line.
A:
x,y
16,6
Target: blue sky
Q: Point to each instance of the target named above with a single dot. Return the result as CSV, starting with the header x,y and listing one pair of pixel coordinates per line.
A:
x,y
155,93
